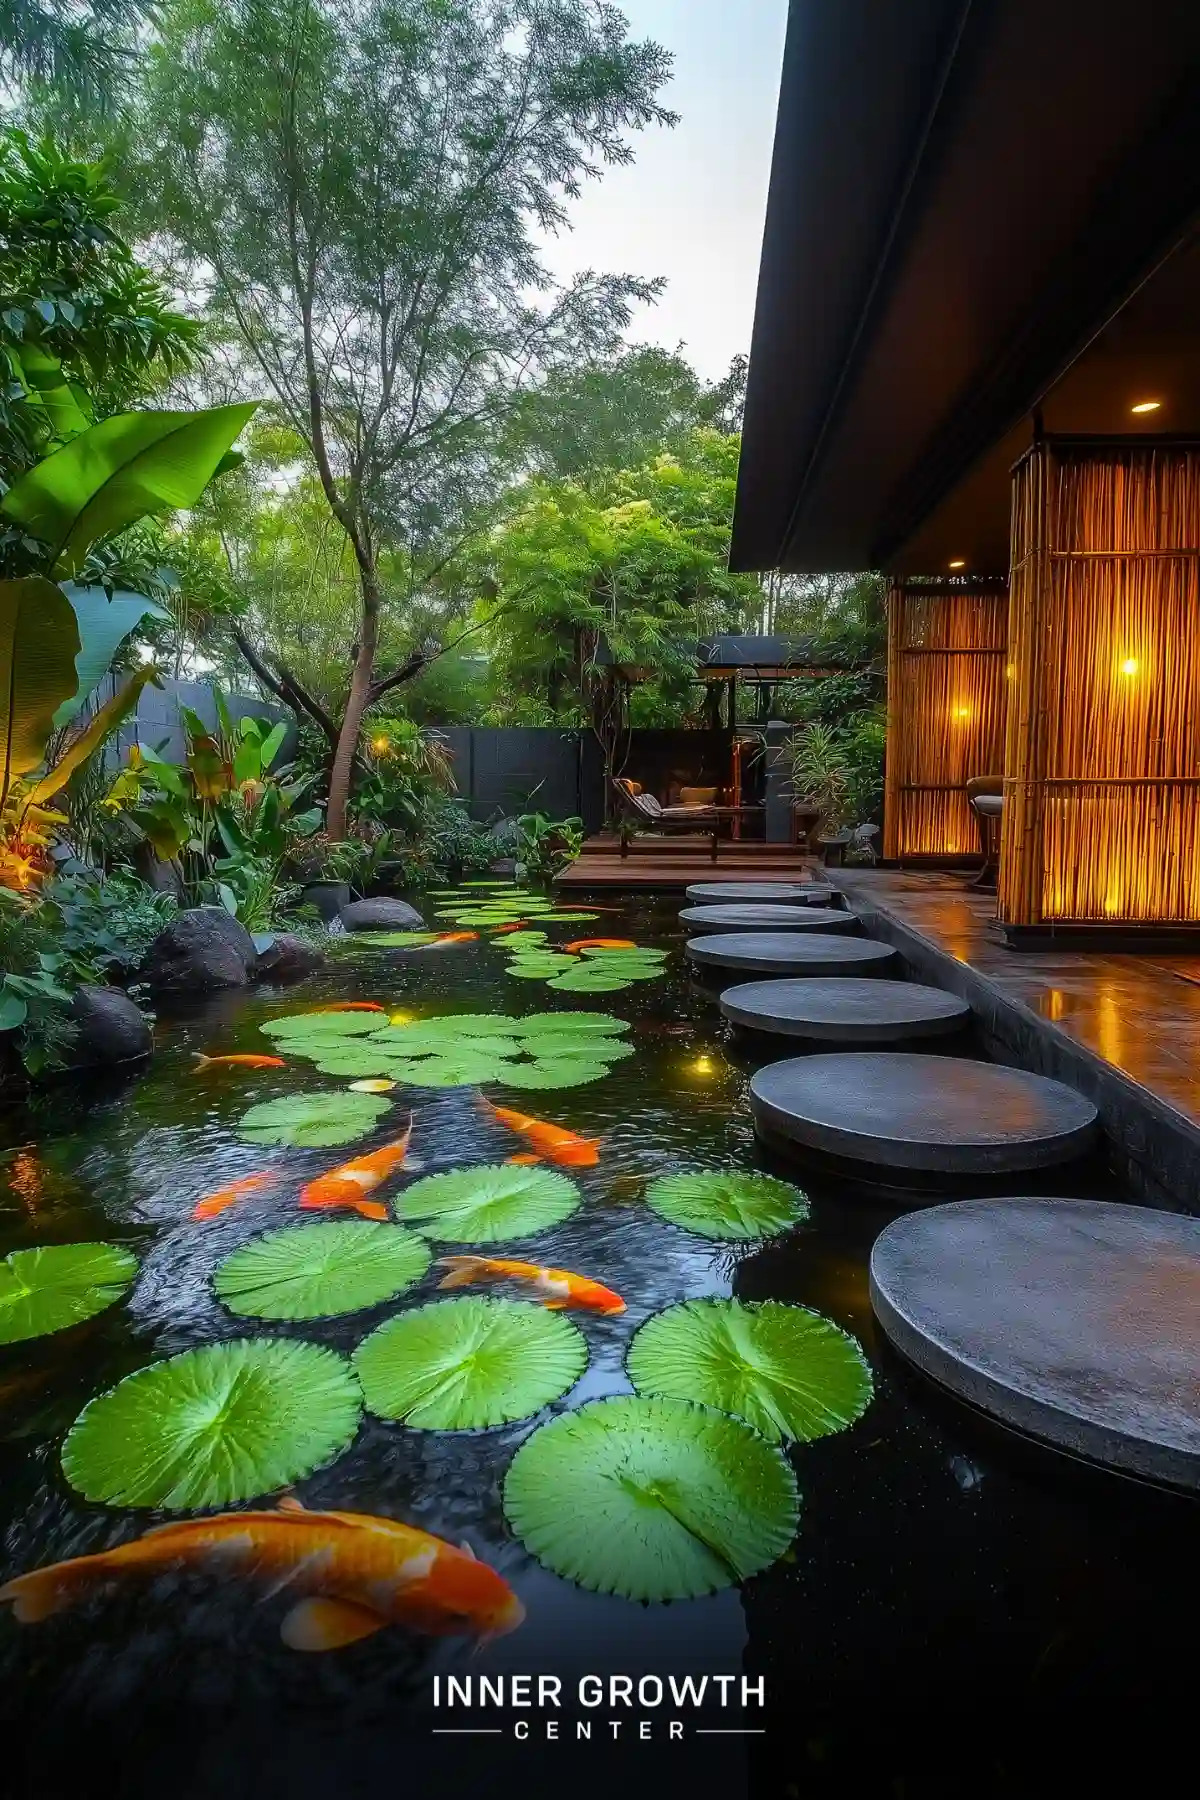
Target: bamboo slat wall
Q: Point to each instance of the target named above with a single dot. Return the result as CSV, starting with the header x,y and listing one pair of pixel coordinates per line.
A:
x,y
1102,793
946,700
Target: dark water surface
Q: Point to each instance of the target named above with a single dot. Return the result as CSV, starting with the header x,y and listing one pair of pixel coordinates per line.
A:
x,y
959,1609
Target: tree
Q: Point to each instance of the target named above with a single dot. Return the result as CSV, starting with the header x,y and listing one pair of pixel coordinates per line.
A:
x,y
359,182
80,48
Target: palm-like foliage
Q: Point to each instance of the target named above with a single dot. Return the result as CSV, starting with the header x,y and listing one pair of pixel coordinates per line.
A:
x,y
81,50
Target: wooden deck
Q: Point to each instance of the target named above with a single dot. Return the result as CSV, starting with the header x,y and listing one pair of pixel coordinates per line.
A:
x,y
669,863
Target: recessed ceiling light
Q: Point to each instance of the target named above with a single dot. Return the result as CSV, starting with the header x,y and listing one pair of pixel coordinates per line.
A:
x,y
960,562
1145,406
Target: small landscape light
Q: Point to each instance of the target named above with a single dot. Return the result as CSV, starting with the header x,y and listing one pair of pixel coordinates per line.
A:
x,y
960,562
1146,406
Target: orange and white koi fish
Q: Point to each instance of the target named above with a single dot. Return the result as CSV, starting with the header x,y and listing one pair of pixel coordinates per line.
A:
x,y
551,1143
352,1006
601,944
557,1288
212,1204
447,938
236,1062
350,1183
503,930
348,1574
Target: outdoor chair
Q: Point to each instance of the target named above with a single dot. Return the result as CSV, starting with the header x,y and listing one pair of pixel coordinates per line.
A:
x,y
649,812
985,796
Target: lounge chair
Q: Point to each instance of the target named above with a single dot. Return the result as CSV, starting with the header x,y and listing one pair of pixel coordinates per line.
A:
x,y
649,812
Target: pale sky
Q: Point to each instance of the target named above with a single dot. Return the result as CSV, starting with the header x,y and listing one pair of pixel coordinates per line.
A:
x,y
691,206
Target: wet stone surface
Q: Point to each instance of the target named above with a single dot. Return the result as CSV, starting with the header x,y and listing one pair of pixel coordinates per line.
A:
x,y
791,953
768,918
845,1009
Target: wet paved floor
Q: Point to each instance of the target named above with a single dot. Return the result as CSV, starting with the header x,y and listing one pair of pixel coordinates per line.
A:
x,y
1138,1014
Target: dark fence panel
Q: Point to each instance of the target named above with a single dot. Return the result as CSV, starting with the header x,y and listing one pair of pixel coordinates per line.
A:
x,y
156,721
504,771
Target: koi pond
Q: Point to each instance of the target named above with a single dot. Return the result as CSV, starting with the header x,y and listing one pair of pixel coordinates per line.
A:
x,y
289,1296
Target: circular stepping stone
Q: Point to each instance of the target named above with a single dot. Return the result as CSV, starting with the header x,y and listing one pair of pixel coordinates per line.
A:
x,y
845,1010
1073,1320
791,953
808,893
941,1115
768,918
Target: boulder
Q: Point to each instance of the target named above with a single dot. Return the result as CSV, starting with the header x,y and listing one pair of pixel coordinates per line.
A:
x,y
381,915
200,951
284,957
109,1029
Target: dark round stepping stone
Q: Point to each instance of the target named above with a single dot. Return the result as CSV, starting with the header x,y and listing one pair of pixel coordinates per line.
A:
x,y
808,893
1074,1320
845,1010
791,953
768,918
942,1115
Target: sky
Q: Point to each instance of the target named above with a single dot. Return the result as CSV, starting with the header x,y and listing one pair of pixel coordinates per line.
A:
x,y
691,206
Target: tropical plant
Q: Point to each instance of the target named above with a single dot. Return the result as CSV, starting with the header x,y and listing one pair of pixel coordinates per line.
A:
x,y
546,846
360,187
821,775
79,52
105,925
34,994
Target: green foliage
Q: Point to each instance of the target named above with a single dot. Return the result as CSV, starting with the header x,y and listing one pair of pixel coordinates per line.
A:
x,y
651,1499
488,1204
106,926
546,846
312,1121
788,1372
35,984
59,1285
214,1426
731,1206
821,775
320,1271
463,1365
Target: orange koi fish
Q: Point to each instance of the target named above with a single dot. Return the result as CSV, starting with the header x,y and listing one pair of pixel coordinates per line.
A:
x,y
561,1288
453,937
601,944
349,1574
236,1062
212,1204
350,1183
551,1143
352,1006
503,930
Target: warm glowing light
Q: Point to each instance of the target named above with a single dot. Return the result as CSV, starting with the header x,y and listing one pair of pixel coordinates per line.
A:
x,y
703,1065
401,1018
960,562
380,744
1129,666
961,713
1146,406
1010,670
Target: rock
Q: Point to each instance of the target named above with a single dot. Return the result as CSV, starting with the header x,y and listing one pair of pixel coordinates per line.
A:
x,y
200,951
284,957
109,1029
381,915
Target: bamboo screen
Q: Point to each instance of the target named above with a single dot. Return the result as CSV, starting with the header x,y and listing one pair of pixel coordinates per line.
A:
x,y
1102,804
946,698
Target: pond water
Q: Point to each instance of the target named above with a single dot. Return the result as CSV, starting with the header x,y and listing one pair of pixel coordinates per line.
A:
x,y
946,1582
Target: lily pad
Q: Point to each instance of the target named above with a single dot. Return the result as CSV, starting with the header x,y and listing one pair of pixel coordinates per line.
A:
x,y
587,1047
470,1024
563,1072
320,1271
568,918
463,1365
574,1022
788,1372
446,1071
521,940
728,1205
394,940
58,1285
652,1499
213,1426
590,981
312,1121
322,1024
356,1059
488,1204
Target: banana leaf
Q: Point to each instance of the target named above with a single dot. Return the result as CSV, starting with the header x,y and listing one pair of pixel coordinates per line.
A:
x,y
64,404
104,622
105,722
117,472
39,641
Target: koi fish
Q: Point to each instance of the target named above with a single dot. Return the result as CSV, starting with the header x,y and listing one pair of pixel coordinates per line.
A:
x,y
503,930
236,1062
212,1204
551,1143
448,938
561,1288
350,1183
350,1573
601,944
352,1006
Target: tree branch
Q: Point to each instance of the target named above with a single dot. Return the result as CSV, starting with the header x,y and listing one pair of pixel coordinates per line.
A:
x,y
285,687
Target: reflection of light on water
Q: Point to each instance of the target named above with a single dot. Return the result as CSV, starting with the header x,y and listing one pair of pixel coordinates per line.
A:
x,y
25,1180
703,1065
1109,1027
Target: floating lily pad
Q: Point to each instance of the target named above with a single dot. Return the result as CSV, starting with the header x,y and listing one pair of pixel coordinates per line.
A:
x,y
462,1365
298,1026
728,1205
574,1022
590,981
563,1072
527,971
58,1285
225,1423
394,940
587,1047
446,1071
788,1372
312,1121
356,1059
521,940
471,1024
652,1499
321,1271
487,1204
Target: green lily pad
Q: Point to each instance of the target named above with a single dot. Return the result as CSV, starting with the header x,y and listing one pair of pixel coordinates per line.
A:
x,y
320,1271
521,940
312,1121
590,1046
652,1499
213,1426
728,1205
59,1285
298,1026
590,981
527,971
464,1365
470,1024
563,1072
569,918
487,1204
603,1024
357,1060
446,1071
788,1372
